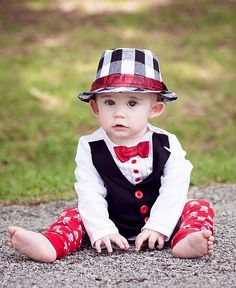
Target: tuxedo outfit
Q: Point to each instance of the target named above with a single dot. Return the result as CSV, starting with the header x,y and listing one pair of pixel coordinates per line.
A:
x,y
117,197
107,201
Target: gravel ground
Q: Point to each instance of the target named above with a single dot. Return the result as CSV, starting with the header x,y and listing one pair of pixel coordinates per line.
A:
x,y
122,269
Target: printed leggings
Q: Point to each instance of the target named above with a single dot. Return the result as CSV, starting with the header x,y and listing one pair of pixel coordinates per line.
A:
x,y
67,232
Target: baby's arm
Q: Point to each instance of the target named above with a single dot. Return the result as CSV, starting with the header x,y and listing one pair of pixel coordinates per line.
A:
x,y
91,191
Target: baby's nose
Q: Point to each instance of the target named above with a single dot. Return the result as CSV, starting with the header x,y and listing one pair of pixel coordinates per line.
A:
x,y
120,112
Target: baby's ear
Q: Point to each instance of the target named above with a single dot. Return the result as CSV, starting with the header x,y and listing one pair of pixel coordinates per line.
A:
x,y
94,107
156,109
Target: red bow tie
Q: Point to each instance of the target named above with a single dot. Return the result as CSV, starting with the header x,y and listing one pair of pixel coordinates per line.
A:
x,y
125,153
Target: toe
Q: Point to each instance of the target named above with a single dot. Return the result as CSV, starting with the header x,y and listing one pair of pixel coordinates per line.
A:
x,y
210,251
207,233
210,248
211,238
11,230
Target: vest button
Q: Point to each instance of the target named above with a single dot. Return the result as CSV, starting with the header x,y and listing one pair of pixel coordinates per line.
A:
x,y
138,194
143,209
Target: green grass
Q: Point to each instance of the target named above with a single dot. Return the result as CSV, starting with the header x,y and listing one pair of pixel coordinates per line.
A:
x,y
47,55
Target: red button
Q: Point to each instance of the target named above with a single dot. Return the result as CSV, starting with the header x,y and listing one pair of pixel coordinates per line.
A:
x,y
136,171
133,161
138,194
146,219
137,179
143,209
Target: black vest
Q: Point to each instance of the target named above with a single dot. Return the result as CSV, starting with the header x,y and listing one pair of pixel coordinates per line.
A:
x,y
128,208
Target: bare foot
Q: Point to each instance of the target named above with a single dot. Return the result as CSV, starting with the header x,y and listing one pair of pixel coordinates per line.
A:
x,y
31,244
194,245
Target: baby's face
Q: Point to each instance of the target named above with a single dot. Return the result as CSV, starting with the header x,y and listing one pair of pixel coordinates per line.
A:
x,y
124,116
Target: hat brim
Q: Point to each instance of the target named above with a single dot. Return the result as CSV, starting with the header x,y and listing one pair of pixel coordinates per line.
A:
x,y
166,96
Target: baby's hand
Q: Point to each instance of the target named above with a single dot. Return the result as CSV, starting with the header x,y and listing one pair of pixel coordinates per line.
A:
x,y
152,237
117,239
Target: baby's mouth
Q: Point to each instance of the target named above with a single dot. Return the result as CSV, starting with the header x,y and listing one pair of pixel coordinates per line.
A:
x,y
120,126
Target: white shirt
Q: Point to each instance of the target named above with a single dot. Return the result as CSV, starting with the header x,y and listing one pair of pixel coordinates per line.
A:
x,y
91,191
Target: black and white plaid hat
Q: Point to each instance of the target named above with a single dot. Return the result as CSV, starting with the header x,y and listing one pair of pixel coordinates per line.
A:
x,y
128,70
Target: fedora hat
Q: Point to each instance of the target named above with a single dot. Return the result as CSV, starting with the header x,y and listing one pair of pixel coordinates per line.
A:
x,y
128,70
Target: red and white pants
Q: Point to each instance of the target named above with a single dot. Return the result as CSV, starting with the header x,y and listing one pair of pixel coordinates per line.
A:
x,y
67,232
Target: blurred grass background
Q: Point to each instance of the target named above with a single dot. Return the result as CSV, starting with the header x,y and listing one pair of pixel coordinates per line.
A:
x,y
49,50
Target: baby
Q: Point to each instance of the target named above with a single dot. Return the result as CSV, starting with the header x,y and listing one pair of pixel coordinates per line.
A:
x,y
132,178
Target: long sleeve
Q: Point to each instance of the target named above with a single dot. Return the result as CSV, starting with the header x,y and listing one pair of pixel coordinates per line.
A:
x,y
175,181
91,192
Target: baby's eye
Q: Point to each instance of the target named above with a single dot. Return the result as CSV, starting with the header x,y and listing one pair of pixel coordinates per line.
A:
x,y
109,102
132,103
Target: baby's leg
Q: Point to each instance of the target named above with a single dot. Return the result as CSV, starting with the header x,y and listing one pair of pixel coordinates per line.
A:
x,y
61,239
195,236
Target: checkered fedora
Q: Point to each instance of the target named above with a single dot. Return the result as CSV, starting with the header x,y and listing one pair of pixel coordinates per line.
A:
x,y
128,70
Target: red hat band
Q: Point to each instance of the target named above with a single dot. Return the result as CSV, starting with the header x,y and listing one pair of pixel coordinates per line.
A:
x,y
128,80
